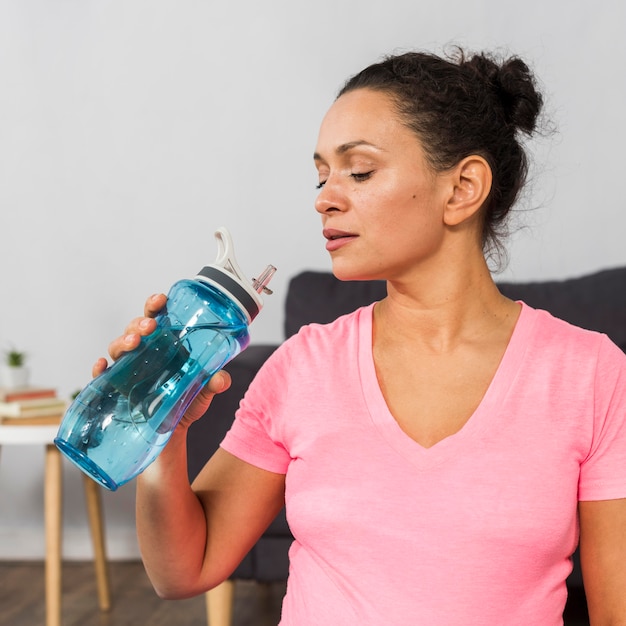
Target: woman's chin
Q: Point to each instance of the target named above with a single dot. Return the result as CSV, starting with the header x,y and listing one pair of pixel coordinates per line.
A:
x,y
345,272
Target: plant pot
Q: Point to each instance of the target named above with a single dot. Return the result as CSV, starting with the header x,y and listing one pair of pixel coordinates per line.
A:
x,y
15,377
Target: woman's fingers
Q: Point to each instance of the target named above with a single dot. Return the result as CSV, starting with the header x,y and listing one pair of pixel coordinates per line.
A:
x,y
98,367
138,328
219,383
124,344
154,304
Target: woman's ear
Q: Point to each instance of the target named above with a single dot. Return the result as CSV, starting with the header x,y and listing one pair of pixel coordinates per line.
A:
x,y
471,181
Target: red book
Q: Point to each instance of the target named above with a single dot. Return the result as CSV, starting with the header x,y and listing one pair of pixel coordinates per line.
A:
x,y
26,393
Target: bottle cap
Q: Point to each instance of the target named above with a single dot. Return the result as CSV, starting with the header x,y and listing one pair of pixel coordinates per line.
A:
x,y
226,275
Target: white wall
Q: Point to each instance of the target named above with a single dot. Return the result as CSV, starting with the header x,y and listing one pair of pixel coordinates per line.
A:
x,y
130,130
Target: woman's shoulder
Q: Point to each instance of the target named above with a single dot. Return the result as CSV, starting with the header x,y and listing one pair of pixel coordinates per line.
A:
x,y
339,329
315,344
553,333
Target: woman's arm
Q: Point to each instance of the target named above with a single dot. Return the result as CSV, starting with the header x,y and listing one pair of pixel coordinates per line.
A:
x,y
192,539
603,560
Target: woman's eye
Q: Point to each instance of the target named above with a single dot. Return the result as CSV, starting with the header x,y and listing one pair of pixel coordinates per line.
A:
x,y
361,176
358,176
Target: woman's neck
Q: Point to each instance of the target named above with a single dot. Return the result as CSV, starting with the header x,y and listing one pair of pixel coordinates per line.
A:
x,y
441,309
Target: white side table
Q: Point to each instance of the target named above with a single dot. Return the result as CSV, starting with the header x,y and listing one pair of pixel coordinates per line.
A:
x,y
42,431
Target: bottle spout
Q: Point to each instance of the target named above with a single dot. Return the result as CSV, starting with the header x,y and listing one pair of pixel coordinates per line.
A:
x,y
226,259
260,284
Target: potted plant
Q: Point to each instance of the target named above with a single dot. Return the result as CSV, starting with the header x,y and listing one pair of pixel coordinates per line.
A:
x,y
15,373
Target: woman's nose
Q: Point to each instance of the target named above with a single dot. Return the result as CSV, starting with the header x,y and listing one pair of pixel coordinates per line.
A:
x,y
330,198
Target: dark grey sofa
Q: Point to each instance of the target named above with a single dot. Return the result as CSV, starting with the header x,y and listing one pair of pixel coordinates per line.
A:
x,y
596,301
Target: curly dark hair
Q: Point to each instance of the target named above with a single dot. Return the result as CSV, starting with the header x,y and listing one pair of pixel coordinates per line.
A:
x,y
460,106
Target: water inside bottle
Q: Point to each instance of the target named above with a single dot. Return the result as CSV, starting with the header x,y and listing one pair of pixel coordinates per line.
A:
x,y
127,417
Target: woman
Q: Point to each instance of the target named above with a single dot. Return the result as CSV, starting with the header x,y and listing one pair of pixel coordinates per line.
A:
x,y
437,451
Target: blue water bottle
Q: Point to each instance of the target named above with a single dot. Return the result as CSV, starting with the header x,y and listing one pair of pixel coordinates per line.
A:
x,y
120,422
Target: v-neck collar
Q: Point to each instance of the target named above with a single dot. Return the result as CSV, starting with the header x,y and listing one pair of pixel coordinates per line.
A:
x,y
482,418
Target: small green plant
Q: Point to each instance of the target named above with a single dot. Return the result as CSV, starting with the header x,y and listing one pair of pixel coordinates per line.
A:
x,y
15,358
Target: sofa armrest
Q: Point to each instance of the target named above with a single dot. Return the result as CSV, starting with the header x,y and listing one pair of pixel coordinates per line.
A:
x,y
206,434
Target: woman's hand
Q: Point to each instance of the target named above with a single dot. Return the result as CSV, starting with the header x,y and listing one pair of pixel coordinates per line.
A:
x,y
143,326
219,382
138,328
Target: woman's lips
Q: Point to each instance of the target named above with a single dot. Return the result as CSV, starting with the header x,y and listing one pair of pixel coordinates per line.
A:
x,y
336,239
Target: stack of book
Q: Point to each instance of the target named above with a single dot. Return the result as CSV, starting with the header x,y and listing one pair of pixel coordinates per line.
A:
x,y
29,403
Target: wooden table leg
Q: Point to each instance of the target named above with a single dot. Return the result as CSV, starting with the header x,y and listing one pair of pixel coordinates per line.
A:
x,y
53,493
94,511
219,604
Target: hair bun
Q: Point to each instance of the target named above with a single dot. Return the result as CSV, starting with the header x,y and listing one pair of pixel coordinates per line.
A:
x,y
513,83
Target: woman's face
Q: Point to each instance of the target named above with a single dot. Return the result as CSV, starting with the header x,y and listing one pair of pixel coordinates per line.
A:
x,y
380,201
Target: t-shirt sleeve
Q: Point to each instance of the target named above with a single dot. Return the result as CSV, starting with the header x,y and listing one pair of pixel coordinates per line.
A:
x,y
603,472
255,436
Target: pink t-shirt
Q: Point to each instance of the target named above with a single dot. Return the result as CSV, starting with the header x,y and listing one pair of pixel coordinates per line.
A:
x,y
477,529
